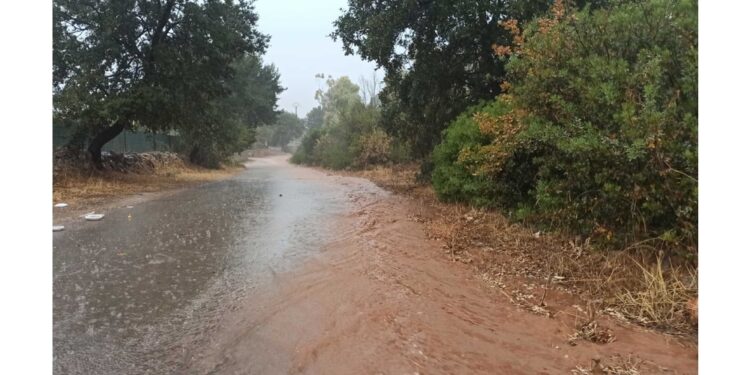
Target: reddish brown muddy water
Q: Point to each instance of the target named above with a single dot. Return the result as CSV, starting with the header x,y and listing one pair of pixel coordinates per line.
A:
x,y
284,269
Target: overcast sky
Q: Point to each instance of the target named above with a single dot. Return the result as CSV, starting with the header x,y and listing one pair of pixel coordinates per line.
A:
x,y
300,48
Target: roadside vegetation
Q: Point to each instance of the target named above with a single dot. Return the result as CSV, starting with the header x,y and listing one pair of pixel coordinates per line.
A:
x,y
576,120
135,66
123,175
599,135
348,133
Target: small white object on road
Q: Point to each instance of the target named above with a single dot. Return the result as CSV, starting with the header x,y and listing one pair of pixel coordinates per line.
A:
x,y
57,228
61,205
93,217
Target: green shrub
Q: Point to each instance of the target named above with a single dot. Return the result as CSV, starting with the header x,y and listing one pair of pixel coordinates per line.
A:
x,y
373,148
334,152
453,178
400,152
602,136
349,136
304,154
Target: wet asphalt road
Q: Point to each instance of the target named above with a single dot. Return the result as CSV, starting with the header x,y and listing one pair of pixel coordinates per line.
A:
x,y
129,289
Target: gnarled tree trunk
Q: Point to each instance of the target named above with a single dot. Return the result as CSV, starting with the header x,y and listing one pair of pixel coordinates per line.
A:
x,y
106,135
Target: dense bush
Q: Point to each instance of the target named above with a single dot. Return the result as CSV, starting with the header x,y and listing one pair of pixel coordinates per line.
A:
x,y
452,177
373,147
349,136
333,152
601,136
304,153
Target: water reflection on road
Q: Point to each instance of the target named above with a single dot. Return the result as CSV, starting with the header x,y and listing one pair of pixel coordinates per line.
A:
x,y
131,287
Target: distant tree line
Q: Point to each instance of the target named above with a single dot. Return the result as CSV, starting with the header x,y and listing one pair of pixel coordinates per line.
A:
x,y
344,129
284,130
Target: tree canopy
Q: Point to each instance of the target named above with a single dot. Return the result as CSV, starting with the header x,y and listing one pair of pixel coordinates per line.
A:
x,y
226,125
314,118
158,65
340,96
437,56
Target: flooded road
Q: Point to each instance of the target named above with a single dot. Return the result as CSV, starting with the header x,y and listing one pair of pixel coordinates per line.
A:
x,y
129,287
286,270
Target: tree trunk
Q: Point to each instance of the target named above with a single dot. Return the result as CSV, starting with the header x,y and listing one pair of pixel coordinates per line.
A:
x,y
194,156
106,135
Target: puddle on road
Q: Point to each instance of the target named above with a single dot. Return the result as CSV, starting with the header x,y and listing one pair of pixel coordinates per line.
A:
x,y
128,287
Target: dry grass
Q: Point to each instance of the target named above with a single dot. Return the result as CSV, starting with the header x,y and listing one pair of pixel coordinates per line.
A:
x,y
592,332
643,291
398,178
80,186
627,368
619,365
664,296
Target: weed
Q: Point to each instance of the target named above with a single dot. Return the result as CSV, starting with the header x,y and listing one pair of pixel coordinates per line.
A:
x,y
616,365
663,296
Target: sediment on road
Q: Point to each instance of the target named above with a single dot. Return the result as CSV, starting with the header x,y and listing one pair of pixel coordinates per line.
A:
x,y
636,285
387,294
78,183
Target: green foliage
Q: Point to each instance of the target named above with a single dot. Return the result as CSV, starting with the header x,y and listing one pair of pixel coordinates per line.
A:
x,y
253,91
341,95
333,152
287,128
601,137
306,150
226,126
452,177
339,146
314,118
123,64
212,143
437,55
349,136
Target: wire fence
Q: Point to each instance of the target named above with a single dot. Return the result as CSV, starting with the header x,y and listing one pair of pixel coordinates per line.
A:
x,y
127,141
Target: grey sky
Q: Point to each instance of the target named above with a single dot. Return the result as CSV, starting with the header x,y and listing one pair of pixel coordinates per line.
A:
x,y
300,48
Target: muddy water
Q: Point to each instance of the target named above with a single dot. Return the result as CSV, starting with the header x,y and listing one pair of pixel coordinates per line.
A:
x,y
130,289
290,270
382,298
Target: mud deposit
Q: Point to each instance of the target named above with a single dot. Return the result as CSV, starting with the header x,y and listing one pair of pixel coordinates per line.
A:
x,y
284,269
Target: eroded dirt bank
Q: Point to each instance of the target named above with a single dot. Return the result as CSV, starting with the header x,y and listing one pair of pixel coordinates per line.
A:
x,y
380,297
